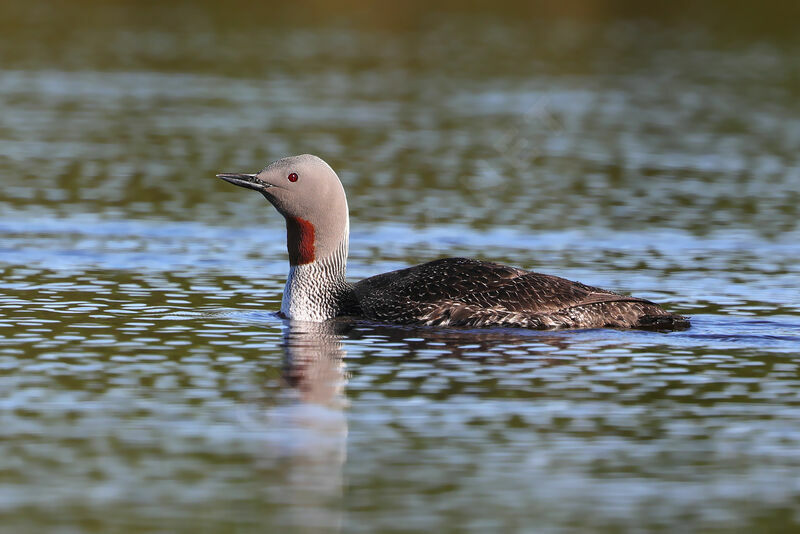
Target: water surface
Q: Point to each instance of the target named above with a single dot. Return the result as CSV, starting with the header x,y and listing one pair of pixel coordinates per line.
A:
x,y
147,385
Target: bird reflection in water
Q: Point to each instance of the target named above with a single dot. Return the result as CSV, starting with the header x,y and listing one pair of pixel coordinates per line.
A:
x,y
310,430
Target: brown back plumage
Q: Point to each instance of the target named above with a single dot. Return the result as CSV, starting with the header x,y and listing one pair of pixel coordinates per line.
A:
x,y
465,292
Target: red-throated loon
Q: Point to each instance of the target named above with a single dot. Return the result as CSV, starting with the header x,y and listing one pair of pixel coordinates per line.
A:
x,y
445,292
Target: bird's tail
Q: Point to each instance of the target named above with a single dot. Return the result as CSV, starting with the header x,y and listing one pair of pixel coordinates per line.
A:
x,y
664,322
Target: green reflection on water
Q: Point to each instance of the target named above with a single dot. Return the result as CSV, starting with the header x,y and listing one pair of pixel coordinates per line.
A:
x,y
146,387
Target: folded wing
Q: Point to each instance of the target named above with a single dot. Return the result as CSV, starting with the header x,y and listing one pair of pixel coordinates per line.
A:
x,y
465,292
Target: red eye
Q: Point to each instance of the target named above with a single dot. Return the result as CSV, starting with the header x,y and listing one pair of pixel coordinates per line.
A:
x,y
293,177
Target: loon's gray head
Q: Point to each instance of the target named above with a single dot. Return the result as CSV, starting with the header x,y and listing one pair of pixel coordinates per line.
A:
x,y
309,195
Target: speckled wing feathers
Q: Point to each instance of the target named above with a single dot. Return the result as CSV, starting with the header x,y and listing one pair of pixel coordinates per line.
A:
x,y
465,292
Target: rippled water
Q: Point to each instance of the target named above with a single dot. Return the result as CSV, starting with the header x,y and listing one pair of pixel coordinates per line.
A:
x,y
147,385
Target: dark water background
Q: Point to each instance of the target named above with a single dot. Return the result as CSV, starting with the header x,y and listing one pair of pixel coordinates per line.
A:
x,y
145,385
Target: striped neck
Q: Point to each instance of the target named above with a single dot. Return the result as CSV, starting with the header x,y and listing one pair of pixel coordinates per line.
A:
x,y
316,290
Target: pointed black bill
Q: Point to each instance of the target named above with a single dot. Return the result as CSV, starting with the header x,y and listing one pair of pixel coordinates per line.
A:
x,y
250,181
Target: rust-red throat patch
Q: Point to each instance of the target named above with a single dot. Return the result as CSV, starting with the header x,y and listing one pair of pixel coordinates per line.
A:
x,y
300,240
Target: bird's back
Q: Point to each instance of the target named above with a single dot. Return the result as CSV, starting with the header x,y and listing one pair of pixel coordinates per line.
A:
x,y
465,292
